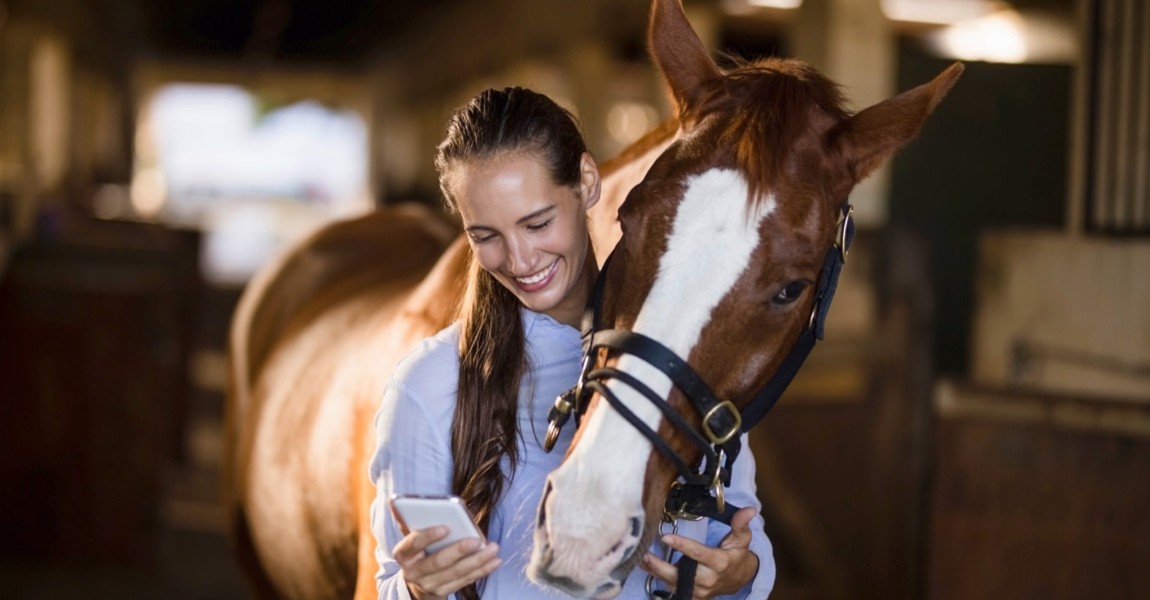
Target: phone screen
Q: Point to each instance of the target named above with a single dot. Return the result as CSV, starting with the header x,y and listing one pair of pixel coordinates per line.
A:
x,y
422,512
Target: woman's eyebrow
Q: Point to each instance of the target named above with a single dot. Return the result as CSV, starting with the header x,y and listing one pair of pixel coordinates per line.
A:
x,y
535,215
522,220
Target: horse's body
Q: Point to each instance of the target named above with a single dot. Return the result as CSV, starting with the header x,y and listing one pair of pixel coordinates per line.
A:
x,y
316,336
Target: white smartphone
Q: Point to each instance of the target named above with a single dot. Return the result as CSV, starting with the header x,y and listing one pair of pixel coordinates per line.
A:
x,y
422,512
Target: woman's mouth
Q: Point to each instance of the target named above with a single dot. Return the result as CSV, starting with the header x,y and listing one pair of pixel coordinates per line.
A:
x,y
539,280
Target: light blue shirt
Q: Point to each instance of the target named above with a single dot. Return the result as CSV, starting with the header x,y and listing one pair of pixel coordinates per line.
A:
x,y
413,456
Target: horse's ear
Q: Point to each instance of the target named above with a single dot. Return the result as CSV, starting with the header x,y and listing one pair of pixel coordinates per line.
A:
x,y
679,53
870,137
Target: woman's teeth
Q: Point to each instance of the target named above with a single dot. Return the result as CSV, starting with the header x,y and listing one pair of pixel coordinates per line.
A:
x,y
536,278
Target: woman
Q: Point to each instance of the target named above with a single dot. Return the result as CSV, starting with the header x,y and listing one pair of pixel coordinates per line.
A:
x,y
465,412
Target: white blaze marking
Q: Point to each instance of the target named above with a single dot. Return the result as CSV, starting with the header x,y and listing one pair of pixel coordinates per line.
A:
x,y
708,248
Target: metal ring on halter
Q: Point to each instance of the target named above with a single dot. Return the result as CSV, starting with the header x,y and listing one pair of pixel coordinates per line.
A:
x,y
552,437
720,495
563,405
841,242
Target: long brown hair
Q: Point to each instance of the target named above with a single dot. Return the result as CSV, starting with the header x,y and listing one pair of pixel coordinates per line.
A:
x,y
492,354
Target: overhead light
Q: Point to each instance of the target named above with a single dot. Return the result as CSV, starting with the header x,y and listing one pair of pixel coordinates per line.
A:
x,y
939,12
776,3
999,37
747,7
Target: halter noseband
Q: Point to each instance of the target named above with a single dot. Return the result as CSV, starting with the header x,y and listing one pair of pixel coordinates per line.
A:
x,y
722,423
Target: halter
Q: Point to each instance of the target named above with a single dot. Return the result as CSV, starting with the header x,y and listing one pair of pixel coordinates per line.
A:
x,y
722,423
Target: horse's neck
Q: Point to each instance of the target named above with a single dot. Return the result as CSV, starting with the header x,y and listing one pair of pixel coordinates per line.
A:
x,y
619,176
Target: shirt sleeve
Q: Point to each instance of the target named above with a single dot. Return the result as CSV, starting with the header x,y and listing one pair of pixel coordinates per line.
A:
x,y
412,456
742,492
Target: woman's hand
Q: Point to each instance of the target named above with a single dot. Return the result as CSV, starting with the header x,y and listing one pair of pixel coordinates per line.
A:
x,y
434,576
723,570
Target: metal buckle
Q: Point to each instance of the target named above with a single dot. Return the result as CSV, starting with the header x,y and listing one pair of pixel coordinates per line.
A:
x,y
680,512
841,238
726,437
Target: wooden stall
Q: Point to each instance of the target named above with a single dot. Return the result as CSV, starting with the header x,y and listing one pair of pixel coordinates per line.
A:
x,y
95,321
1039,495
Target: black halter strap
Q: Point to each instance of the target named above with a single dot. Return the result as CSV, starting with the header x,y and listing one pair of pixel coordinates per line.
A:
x,y
721,424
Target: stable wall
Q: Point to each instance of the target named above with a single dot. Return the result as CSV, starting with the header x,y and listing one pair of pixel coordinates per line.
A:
x,y
1063,314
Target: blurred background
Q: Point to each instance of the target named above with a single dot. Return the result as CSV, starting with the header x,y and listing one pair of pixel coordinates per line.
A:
x,y
976,425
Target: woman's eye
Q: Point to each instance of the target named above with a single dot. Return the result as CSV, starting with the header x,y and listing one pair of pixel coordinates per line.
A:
x,y
479,239
790,292
539,226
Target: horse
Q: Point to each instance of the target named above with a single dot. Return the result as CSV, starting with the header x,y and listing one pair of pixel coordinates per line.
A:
x,y
730,247
755,161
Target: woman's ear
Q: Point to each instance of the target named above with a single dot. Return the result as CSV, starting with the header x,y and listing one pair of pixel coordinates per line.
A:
x,y
589,183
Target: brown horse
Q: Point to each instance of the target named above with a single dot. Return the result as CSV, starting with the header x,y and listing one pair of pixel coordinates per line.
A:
x,y
723,243
755,163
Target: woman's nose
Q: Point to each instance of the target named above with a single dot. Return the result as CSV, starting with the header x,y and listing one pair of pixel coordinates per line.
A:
x,y
518,255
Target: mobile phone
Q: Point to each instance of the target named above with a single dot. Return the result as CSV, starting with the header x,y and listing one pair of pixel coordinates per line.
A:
x,y
421,512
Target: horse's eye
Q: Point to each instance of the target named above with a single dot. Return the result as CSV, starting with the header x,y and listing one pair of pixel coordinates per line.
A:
x,y
790,292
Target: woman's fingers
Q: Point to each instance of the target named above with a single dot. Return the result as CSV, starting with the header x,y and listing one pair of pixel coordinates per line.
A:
x,y
661,569
413,544
448,569
740,535
705,555
479,564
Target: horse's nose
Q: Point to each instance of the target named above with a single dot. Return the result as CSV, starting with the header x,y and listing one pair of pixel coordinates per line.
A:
x,y
584,546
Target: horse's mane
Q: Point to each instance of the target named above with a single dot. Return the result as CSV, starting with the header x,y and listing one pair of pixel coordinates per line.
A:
x,y
765,107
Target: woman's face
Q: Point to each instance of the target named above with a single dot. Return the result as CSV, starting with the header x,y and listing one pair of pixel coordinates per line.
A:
x,y
528,232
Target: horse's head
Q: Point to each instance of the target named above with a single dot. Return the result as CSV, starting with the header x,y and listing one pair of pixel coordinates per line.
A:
x,y
723,242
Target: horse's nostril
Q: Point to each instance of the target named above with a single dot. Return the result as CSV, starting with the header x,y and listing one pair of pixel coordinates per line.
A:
x,y
636,526
543,506
614,548
606,587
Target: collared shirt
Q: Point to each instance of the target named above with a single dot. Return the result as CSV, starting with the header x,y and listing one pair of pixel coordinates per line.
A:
x,y
413,456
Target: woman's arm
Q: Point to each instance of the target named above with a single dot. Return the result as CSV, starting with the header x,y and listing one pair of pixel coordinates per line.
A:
x,y
410,457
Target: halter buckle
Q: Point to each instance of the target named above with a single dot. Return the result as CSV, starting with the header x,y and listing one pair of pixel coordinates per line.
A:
x,y
727,435
679,512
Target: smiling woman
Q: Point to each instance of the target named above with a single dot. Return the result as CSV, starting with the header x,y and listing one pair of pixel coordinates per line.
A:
x,y
530,234
475,397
